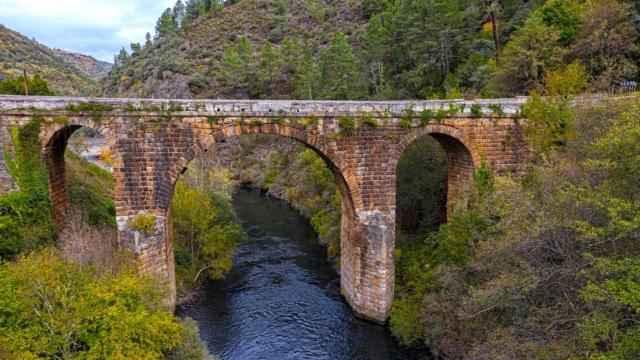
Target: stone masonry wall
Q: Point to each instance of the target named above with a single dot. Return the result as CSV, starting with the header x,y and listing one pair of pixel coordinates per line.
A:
x,y
6,182
153,141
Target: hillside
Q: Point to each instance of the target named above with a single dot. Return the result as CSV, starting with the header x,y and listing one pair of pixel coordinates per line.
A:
x,y
187,63
93,68
18,52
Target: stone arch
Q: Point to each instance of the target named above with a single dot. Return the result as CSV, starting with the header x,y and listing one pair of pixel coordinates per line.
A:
x,y
346,181
54,139
462,158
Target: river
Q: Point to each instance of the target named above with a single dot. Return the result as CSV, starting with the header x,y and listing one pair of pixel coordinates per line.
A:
x,y
282,299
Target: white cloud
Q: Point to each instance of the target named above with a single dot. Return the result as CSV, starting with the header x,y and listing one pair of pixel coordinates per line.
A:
x,y
95,27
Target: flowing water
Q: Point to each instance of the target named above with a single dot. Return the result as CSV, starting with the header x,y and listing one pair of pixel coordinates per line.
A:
x,y
282,300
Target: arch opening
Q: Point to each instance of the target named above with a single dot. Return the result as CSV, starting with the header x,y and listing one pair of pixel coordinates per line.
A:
x,y
242,157
81,190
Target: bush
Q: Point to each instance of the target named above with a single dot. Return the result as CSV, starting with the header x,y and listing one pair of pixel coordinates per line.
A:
x,y
347,126
60,310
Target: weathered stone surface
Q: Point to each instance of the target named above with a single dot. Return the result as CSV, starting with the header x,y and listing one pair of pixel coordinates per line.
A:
x,y
153,141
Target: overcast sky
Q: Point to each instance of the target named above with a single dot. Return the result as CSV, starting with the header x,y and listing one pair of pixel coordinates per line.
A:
x,y
95,27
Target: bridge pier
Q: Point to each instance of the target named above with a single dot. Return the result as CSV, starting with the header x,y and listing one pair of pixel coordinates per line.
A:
x,y
366,263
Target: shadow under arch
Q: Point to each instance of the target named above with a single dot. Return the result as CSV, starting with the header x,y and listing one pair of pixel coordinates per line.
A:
x,y
462,159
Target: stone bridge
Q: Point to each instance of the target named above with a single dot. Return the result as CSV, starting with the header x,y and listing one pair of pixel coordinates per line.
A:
x,y
153,141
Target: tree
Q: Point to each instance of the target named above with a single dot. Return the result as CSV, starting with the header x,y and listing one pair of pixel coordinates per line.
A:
x,y
237,65
340,71
35,84
270,66
136,48
532,50
166,24
147,41
563,15
306,77
177,14
606,43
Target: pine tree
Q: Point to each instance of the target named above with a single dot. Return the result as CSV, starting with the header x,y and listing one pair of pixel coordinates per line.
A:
x,y
166,24
147,42
177,13
340,71
306,77
237,65
270,63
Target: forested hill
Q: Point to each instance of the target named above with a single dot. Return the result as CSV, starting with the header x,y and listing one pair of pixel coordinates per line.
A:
x,y
18,52
385,49
216,51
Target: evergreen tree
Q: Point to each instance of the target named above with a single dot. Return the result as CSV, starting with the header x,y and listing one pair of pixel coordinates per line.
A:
x,y
136,48
166,24
291,54
340,71
147,42
237,65
177,13
307,76
270,63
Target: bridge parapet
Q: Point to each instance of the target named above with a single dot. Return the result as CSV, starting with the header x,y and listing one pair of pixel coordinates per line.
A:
x,y
17,105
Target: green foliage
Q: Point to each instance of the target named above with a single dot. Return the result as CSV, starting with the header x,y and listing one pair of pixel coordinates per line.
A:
x,y
347,125
533,49
56,309
369,120
426,116
615,59
89,107
562,240
237,65
550,118
88,188
35,84
25,216
206,230
422,187
339,71
441,114
563,15
144,224
496,110
476,110
166,24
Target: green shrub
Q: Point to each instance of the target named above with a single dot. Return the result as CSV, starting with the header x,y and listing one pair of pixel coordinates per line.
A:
x,y
426,116
370,121
347,126
145,224
496,110
56,309
476,110
26,222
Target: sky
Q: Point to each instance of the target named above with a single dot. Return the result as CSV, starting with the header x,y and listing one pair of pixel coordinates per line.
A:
x,y
99,28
